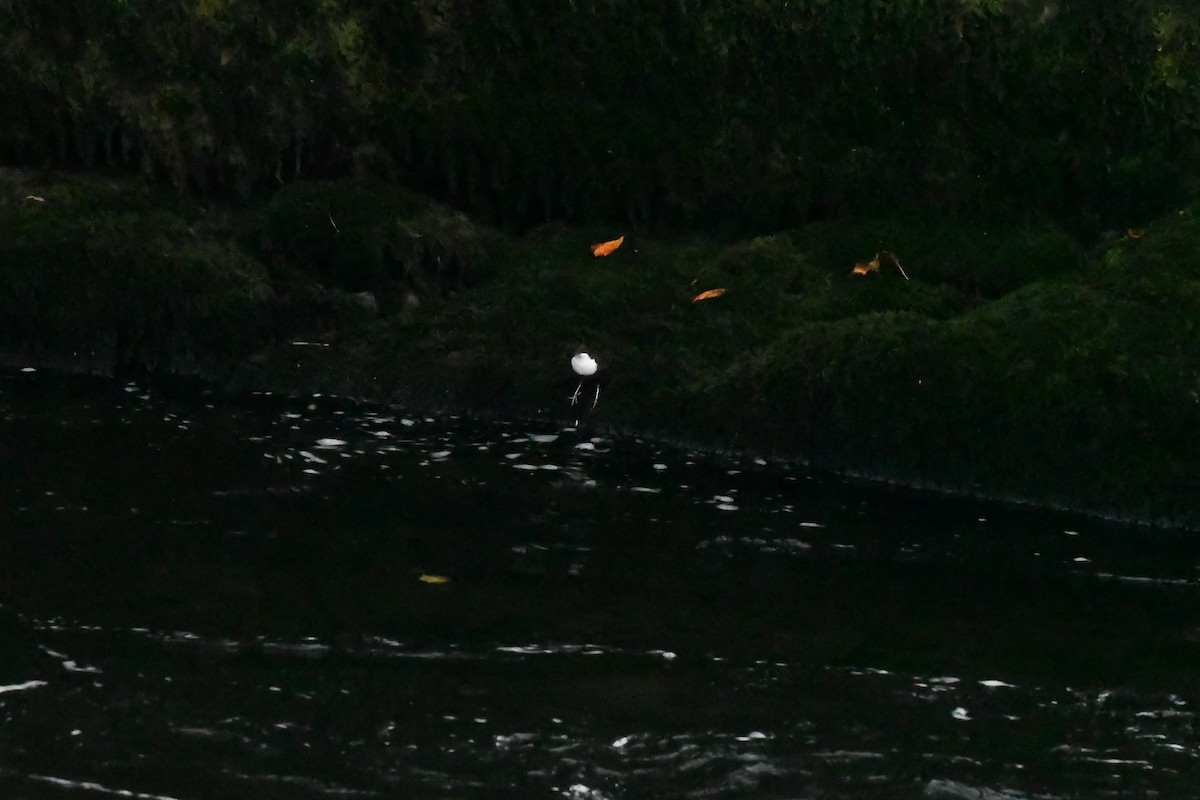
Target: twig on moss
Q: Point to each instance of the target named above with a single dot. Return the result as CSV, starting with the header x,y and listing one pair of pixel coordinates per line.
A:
x,y
892,257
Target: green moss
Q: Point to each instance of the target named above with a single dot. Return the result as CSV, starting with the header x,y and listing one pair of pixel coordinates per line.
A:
x,y
96,268
1060,391
1076,385
362,235
976,257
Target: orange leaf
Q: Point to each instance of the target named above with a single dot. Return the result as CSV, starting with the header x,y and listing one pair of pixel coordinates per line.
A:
x,y
873,264
605,248
1135,233
711,293
866,266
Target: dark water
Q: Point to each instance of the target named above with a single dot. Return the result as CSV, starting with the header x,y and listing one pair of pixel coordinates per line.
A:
x,y
207,598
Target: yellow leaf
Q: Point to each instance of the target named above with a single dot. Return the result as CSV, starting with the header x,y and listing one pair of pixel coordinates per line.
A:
x,y
711,293
1135,233
434,579
605,248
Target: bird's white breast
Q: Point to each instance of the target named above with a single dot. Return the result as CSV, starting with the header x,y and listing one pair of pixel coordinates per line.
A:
x,y
583,364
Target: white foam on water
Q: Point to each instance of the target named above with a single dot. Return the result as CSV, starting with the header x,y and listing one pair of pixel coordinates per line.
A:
x,y
1164,713
543,438
550,467
20,687
508,740
1146,579
327,442
28,369
1129,762
72,666
585,446
992,683
727,507
722,498
312,458
556,649
525,466
848,755
440,454
311,471
98,787
660,467
644,489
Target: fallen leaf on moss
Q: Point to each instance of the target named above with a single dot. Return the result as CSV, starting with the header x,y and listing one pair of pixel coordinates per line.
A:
x,y
35,197
606,248
866,266
873,265
437,579
1135,233
710,294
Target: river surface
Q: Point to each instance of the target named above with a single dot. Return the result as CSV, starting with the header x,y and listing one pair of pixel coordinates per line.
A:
x,y
271,597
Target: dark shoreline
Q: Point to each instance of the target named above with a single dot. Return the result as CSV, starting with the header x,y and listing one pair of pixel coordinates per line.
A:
x,y
195,383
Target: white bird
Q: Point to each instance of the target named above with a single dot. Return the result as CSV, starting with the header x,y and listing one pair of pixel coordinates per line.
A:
x,y
584,366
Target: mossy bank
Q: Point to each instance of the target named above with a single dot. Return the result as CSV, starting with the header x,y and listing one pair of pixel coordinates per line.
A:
x,y
1014,361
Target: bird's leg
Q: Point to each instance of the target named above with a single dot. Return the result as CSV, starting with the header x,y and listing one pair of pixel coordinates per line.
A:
x,y
575,396
597,398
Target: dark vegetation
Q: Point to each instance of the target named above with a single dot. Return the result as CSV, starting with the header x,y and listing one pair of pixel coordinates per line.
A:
x,y
737,116
411,190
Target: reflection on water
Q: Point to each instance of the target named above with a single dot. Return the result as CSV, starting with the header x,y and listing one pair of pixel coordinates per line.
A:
x,y
214,598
